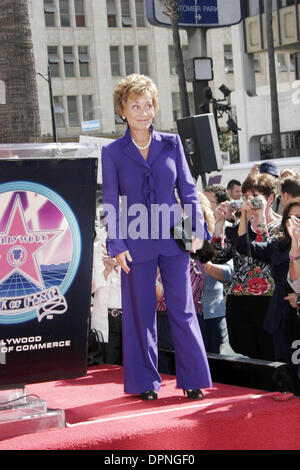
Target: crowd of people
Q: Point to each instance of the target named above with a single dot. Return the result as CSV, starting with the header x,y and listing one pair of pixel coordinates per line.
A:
x,y
261,314
244,282
245,295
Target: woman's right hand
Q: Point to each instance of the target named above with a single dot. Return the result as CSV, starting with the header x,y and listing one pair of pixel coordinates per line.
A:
x,y
254,170
246,207
247,212
122,259
220,212
257,212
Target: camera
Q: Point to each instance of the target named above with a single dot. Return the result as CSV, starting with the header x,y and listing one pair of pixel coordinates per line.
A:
x,y
256,203
234,205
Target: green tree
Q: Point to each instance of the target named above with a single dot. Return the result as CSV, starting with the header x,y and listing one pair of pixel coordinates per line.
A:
x,y
19,115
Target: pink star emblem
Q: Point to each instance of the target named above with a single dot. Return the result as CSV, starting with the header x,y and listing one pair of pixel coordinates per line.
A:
x,y
19,246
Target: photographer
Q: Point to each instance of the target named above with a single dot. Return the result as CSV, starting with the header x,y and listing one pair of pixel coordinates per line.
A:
x,y
218,196
293,227
281,320
251,286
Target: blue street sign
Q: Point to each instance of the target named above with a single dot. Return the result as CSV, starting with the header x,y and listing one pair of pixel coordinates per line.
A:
x,y
193,13
197,13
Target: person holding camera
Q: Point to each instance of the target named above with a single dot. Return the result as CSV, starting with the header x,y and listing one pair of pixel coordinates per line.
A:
x,y
280,320
212,317
251,286
293,227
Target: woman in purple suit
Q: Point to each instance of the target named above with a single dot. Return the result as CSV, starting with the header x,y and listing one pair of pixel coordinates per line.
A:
x,y
140,173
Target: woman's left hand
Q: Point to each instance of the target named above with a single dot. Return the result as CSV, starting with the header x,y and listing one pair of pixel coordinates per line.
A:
x,y
197,244
292,299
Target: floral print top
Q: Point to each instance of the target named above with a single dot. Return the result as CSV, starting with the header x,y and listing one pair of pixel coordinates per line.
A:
x,y
250,276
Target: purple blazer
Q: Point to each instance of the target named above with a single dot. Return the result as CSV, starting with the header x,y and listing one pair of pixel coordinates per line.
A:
x,y
147,184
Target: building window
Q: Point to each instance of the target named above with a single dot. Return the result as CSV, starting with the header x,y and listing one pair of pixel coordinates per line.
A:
x,y
143,60
228,58
2,92
73,111
64,13
125,12
274,5
84,60
118,119
286,3
111,13
140,13
257,62
293,62
128,54
281,63
53,61
87,108
79,14
115,61
172,60
59,111
177,106
256,7
69,61
252,8
49,10
290,145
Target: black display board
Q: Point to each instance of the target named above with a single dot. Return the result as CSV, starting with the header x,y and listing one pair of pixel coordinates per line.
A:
x,y
47,213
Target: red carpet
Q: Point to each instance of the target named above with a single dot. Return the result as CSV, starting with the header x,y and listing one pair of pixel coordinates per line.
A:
x,y
100,416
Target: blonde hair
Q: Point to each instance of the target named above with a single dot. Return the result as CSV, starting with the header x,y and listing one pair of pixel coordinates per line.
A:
x,y
134,85
287,172
207,212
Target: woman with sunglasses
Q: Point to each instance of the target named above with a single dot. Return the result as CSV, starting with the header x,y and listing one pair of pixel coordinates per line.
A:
x,y
281,320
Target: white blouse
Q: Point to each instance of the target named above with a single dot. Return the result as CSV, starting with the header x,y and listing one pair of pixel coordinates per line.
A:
x,y
107,292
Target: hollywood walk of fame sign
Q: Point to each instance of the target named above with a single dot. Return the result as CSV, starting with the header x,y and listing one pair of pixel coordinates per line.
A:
x,y
46,249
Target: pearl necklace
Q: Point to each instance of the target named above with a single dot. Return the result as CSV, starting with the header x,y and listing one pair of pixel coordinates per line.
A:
x,y
142,147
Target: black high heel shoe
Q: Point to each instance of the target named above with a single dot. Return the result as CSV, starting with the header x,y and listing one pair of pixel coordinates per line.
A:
x,y
149,395
194,394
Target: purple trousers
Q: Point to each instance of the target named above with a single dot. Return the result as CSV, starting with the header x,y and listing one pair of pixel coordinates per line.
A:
x,y
140,355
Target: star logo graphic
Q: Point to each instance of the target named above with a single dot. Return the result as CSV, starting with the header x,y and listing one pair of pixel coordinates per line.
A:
x,y
19,247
